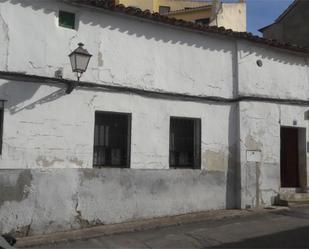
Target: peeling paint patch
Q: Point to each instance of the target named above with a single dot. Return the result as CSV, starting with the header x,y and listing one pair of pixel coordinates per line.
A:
x,y
215,161
42,161
15,190
100,59
76,161
252,144
90,174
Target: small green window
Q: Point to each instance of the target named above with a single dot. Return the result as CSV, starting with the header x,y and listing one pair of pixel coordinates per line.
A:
x,y
66,19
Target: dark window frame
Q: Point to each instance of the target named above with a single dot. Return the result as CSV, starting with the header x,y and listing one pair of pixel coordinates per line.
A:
x,y
1,125
168,8
129,136
60,16
197,143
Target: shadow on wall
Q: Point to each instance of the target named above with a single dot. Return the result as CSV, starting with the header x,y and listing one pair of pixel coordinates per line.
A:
x,y
118,22
152,33
233,177
23,92
273,55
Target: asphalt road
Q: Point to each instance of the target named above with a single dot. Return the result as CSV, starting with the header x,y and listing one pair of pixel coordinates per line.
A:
x,y
284,229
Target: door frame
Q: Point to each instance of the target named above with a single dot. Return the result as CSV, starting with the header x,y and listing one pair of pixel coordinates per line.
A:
x,y
302,156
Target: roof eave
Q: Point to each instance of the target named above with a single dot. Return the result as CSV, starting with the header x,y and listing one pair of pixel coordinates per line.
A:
x,y
266,27
156,18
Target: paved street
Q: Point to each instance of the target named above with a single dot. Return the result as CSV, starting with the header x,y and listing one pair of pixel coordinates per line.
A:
x,y
284,229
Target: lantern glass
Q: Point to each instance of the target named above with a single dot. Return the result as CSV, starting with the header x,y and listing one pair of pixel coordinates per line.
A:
x,y
73,62
82,62
80,59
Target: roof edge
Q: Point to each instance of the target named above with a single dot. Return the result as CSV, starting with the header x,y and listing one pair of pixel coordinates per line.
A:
x,y
268,26
288,10
283,14
163,19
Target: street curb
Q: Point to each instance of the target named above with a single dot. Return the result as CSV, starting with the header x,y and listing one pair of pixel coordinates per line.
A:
x,y
137,225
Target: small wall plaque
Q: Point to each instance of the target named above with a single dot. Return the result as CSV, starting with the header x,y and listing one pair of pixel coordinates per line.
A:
x,y
254,156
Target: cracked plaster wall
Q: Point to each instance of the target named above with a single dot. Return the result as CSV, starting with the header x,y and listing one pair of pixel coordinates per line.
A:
x,y
134,53
125,51
61,199
283,75
260,131
55,130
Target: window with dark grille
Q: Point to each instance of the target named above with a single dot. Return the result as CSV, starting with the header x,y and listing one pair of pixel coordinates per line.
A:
x,y
185,143
204,21
66,19
164,9
112,140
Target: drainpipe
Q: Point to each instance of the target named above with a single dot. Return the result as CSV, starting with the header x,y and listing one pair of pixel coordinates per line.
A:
x,y
216,6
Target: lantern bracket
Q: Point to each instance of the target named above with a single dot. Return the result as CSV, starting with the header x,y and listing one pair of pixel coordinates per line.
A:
x,y
70,87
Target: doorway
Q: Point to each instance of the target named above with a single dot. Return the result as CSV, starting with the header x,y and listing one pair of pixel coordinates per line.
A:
x,y
293,157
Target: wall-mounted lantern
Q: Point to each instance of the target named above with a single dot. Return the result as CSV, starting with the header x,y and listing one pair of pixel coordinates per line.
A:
x,y
79,58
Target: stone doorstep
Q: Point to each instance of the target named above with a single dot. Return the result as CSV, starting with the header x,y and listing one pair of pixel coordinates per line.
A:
x,y
293,197
138,225
293,203
293,190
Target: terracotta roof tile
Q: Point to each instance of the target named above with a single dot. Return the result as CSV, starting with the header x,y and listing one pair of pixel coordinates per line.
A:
x,y
132,11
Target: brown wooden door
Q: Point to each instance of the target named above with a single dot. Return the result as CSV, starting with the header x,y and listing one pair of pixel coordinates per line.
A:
x,y
289,158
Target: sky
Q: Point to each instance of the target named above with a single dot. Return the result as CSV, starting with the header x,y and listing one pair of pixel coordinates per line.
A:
x,y
261,13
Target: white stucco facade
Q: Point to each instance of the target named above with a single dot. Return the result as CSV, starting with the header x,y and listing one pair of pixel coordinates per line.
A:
x,y
166,71
160,59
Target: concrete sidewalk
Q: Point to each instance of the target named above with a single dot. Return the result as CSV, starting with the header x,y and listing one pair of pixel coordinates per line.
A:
x,y
283,229
148,226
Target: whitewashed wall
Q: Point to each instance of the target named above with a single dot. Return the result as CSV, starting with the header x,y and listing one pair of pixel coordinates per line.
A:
x,y
260,125
282,76
37,201
126,51
52,129
46,129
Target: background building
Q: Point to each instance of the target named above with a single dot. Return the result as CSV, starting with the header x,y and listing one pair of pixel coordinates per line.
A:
x,y
230,15
292,26
163,6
